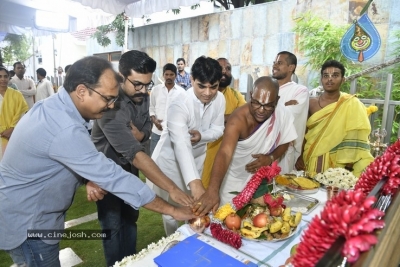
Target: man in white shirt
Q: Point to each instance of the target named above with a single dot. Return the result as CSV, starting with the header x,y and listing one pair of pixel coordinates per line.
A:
x,y
160,96
194,119
295,97
25,85
44,87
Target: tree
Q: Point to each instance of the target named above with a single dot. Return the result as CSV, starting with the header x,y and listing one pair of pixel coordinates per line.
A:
x,y
18,48
118,26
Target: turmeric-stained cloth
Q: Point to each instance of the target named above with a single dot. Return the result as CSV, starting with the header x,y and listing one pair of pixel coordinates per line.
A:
x,y
337,135
234,99
13,106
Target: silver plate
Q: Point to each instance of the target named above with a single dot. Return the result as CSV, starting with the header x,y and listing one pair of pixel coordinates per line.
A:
x,y
299,201
300,191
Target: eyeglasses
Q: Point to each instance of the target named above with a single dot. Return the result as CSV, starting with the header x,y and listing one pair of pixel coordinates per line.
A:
x,y
109,100
139,86
256,105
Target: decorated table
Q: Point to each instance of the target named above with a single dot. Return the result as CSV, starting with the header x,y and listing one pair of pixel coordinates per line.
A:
x,y
356,227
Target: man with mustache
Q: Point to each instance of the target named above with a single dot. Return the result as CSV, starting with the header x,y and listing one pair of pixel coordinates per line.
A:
x,y
160,96
183,78
295,97
233,99
194,119
120,134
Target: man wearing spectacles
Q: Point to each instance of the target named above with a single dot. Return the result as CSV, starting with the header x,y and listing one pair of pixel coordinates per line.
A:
x,y
194,119
255,135
120,134
54,152
295,97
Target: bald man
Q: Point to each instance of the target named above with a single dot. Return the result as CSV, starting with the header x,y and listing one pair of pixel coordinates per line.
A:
x,y
256,134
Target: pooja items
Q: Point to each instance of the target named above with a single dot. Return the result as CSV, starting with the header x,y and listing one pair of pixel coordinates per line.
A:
x,y
337,177
298,184
299,202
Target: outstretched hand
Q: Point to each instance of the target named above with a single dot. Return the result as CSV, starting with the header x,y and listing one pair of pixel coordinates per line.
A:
x,y
183,213
180,197
207,202
300,166
195,136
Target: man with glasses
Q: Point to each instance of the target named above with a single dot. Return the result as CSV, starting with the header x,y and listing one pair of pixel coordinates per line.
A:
x,y
120,134
194,119
48,155
256,134
295,97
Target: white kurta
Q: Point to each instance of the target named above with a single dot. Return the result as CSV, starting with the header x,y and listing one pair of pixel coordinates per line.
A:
x,y
275,131
159,100
287,92
27,87
44,90
174,153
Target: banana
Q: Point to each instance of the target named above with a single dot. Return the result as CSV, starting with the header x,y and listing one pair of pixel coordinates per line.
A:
x,y
249,226
292,221
286,214
297,218
249,234
285,228
275,227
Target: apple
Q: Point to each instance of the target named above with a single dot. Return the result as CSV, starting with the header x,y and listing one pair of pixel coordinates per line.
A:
x,y
260,220
233,221
293,250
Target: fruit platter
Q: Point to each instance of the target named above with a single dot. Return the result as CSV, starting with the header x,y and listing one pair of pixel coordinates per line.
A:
x,y
298,184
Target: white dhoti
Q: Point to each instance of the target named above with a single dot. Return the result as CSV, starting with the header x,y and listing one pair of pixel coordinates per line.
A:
x,y
275,131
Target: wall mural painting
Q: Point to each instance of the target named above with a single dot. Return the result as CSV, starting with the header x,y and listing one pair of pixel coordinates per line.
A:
x,y
362,40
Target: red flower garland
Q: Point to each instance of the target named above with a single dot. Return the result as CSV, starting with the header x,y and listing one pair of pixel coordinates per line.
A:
x,y
266,172
348,214
385,165
272,201
228,237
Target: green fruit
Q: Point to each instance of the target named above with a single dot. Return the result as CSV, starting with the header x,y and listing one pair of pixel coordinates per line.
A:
x,y
293,250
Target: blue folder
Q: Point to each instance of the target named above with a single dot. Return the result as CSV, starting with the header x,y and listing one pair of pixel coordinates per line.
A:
x,y
192,252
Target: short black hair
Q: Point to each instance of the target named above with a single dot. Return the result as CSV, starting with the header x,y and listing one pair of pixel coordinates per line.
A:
x,y
181,59
137,61
18,62
291,58
171,67
206,69
335,64
87,71
67,67
12,73
42,72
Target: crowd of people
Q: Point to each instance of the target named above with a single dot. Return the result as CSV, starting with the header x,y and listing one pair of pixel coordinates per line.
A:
x,y
206,141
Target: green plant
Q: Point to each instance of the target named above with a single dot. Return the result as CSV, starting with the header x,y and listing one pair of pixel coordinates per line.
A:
x,y
118,26
18,48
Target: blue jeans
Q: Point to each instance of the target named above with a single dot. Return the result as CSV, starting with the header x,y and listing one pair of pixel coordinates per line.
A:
x,y
153,142
120,218
35,253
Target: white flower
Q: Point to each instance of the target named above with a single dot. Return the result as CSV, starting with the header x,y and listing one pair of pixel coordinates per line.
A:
x,y
337,177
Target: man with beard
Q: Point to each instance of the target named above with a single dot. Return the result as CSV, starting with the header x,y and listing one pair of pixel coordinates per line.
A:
x,y
160,96
119,134
183,78
25,85
194,119
233,99
295,97
255,135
